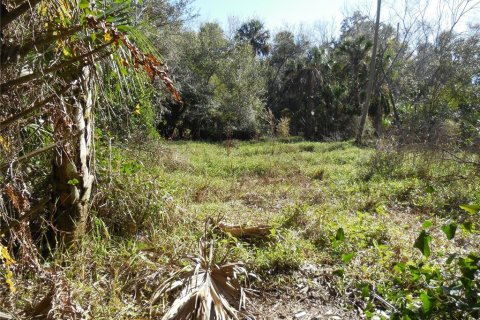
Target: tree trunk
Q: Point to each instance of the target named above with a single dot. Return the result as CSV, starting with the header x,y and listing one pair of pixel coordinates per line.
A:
x,y
72,167
377,121
371,79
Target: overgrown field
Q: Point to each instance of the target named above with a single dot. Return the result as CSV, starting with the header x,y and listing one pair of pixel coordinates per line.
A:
x,y
353,214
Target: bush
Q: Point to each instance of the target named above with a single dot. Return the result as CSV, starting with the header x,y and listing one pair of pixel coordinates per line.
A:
x,y
284,254
128,200
283,127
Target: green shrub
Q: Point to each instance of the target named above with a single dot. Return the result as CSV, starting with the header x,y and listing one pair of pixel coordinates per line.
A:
x,y
284,254
283,127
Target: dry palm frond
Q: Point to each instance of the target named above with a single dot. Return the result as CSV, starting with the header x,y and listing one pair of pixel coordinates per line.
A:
x,y
5,316
57,302
207,289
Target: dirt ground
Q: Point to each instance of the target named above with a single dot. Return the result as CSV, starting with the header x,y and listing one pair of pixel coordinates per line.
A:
x,y
313,297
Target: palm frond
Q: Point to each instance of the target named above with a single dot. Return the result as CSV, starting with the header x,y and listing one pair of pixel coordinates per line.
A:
x,y
209,290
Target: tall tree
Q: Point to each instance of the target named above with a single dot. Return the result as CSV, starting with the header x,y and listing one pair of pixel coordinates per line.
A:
x,y
371,78
254,33
351,56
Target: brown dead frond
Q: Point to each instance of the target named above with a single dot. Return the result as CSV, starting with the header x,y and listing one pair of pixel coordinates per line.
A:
x,y
57,303
208,290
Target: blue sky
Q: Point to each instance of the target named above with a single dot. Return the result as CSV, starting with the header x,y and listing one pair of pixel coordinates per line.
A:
x,y
278,13
275,13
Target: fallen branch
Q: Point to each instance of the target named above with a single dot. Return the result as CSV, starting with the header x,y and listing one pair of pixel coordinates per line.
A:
x,y
457,159
240,231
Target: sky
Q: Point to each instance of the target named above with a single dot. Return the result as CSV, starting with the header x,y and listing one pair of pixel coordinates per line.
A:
x,y
276,14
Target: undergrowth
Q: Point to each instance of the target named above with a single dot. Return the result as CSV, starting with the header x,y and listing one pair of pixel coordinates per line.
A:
x,y
354,212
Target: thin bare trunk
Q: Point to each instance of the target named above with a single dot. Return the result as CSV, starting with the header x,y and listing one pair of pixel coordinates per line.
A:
x,y
371,79
392,98
377,123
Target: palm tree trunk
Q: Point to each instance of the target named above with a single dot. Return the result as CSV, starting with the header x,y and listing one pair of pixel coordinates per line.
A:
x,y
371,79
73,175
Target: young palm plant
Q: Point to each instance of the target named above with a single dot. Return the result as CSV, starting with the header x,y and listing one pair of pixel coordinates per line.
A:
x,y
207,289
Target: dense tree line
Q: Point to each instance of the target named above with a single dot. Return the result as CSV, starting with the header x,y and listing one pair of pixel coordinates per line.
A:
x,y
426,79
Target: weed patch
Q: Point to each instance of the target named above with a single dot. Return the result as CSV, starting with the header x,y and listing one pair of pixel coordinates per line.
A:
x,y
355,213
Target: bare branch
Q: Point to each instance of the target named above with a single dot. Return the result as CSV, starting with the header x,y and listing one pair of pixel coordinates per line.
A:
x,y
33,108
24,79
13,53
30,155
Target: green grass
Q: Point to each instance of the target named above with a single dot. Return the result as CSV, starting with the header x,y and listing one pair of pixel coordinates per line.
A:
x,y
153,203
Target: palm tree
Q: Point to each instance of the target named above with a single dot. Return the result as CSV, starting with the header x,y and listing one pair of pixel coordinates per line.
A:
x,y
254,33
354,51
50,73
